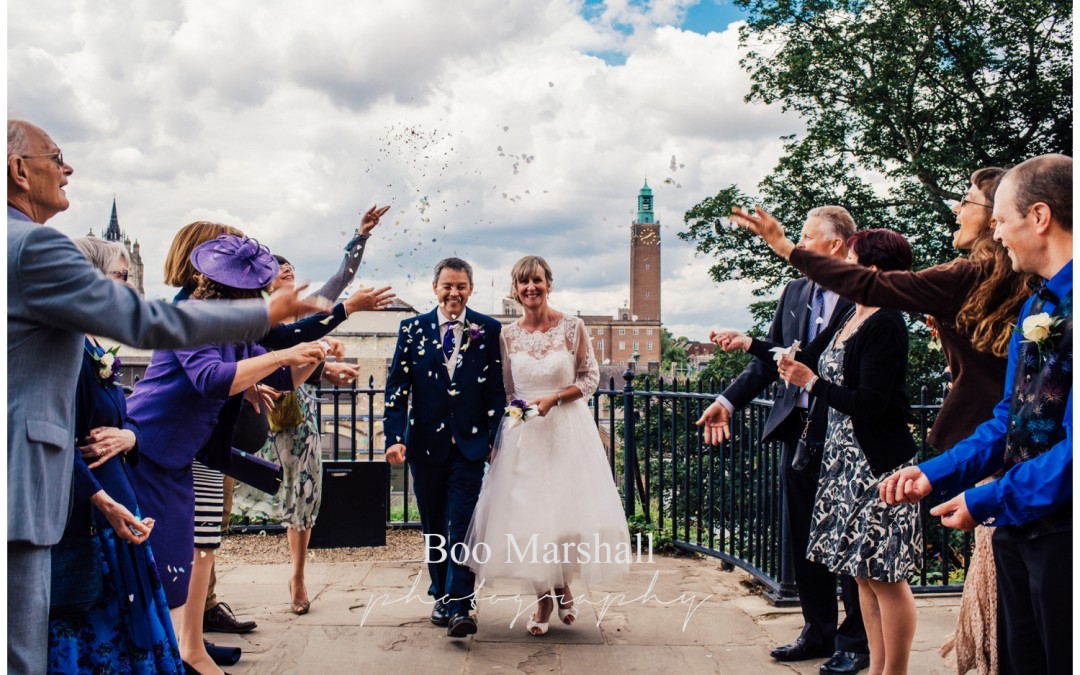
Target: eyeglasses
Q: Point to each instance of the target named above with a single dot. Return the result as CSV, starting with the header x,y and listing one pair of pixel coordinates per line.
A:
x,y
119,276
57,157
965,200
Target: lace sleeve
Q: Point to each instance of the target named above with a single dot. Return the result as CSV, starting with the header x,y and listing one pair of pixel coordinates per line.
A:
x,y
508,378
588,372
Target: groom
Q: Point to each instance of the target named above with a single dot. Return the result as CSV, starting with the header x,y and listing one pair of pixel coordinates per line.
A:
x,y
448,359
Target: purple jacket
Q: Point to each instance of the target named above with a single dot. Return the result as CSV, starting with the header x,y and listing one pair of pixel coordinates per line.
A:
x,y
177,404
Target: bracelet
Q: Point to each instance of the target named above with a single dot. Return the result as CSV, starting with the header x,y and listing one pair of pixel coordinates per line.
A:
x,y
558,398
277,359
810,384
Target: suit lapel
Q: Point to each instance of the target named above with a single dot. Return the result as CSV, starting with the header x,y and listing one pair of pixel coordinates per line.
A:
x,y
802,312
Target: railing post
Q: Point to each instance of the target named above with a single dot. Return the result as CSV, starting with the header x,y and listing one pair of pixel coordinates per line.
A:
x,y
629,453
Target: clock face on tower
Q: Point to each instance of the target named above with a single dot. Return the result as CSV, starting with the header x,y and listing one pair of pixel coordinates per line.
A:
x,y
648,237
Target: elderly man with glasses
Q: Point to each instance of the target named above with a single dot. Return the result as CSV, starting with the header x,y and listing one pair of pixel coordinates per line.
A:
x,y
54,297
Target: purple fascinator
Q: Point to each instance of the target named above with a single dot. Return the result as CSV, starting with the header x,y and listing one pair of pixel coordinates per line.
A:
x,y
238,262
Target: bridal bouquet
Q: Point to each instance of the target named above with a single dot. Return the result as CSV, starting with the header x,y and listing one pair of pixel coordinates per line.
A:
x,y
519,412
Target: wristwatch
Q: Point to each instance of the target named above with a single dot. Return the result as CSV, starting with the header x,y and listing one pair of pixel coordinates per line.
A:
x,y
810,384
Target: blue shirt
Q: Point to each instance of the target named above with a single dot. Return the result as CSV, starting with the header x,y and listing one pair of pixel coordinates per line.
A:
x,y
1030,489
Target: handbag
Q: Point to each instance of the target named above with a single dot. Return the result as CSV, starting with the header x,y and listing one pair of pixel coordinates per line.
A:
x,y
806,449
259,473
76,574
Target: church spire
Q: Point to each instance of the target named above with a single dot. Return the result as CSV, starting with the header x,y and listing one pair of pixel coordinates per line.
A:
x,y
113,233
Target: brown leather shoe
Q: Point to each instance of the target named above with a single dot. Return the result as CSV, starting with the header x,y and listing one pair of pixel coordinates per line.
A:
x,y
220,619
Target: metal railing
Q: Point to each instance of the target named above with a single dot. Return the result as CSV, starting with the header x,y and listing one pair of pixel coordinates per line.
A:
x,y
722,501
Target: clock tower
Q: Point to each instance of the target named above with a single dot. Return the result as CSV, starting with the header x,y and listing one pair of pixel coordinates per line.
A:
x,y
645,260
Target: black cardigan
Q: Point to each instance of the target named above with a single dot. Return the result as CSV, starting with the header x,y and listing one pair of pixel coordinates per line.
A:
x,y
873,393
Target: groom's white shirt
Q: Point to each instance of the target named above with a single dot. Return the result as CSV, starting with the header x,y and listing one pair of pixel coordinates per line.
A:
x,y
444,325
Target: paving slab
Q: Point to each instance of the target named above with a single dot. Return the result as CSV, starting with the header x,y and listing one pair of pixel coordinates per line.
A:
x,y
677,615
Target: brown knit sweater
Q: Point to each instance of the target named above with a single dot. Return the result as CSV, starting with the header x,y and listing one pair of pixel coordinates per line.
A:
x,y
978,377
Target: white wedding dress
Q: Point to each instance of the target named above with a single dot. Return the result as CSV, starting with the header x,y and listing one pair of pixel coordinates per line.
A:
x,y
549,512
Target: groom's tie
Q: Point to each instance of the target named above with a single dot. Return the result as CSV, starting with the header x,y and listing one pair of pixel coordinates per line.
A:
x,y
448,340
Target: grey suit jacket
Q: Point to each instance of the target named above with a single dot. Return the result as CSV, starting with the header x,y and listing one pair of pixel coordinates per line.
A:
x,y
54,297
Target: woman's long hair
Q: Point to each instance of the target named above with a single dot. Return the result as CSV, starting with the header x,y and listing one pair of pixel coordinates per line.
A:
x,y
992,307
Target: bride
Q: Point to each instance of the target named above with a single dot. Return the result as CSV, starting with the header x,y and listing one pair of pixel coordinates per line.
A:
x,y
548,510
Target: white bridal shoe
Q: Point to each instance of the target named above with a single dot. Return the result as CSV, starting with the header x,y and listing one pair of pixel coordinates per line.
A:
x,y
542,627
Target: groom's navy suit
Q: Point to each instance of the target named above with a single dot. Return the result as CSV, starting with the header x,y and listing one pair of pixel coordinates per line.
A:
x,y
447,432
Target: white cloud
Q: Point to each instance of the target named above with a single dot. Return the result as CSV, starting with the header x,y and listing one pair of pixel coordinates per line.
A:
x,y
287,119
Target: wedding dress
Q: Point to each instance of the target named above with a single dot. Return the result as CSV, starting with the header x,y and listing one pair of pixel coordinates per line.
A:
x,y
549,512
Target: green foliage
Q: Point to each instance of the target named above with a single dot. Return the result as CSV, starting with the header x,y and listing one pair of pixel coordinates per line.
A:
x,y
912,95
670,352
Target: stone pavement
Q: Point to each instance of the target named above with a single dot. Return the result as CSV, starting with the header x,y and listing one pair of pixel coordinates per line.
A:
x,y
677,615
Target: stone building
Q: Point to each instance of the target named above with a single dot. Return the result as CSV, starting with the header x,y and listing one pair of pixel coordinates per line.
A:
x,y
635,327
113,233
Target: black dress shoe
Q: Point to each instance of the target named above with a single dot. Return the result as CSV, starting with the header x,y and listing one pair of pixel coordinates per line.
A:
x,y
845,663
220,619
439,615
461,625
801,650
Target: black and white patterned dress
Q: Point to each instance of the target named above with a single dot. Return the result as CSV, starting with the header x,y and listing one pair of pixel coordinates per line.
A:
x,y
852,530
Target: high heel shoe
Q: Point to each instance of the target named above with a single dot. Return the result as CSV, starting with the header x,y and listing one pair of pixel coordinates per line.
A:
x,y
542,627
569,614
298,608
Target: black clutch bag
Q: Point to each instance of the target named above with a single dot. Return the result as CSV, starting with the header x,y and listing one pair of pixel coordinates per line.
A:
x,y
259,473
76,574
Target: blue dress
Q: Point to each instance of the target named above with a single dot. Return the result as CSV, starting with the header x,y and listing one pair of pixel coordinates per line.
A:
x,y
128,630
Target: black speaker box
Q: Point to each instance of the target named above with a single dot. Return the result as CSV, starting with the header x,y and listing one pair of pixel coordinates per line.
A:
x,y
353,511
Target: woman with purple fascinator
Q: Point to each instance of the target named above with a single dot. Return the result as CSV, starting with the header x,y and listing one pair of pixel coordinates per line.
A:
x,y
177,406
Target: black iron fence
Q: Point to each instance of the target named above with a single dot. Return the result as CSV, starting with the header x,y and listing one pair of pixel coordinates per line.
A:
x,y
722,501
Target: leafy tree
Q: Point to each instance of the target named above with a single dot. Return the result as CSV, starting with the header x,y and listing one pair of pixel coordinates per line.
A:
x,y
671,351
913,94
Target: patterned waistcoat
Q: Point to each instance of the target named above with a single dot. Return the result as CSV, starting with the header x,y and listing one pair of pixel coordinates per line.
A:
x,y
1043,381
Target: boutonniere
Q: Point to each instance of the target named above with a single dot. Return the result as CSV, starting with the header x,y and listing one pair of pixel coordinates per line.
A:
x,y
106,363
1040,330
519,412
473,332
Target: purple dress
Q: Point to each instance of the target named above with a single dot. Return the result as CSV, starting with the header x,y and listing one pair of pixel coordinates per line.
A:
x,y
176,406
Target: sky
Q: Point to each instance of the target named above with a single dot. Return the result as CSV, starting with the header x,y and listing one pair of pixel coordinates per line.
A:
x,y
494,128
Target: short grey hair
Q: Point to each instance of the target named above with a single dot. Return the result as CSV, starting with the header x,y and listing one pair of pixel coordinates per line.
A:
x,y
453,264
835,221
18,144
102,254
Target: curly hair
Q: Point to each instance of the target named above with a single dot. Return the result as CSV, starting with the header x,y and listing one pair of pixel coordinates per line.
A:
x,y
995,302
208,289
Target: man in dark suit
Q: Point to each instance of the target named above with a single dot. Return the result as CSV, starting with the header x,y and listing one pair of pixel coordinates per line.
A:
x,y
448,360
55,296
804,311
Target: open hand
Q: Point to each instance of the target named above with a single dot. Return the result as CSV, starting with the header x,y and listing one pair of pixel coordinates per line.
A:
x,y
285,303
367,299
716,421
371,218
339,373
766,227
